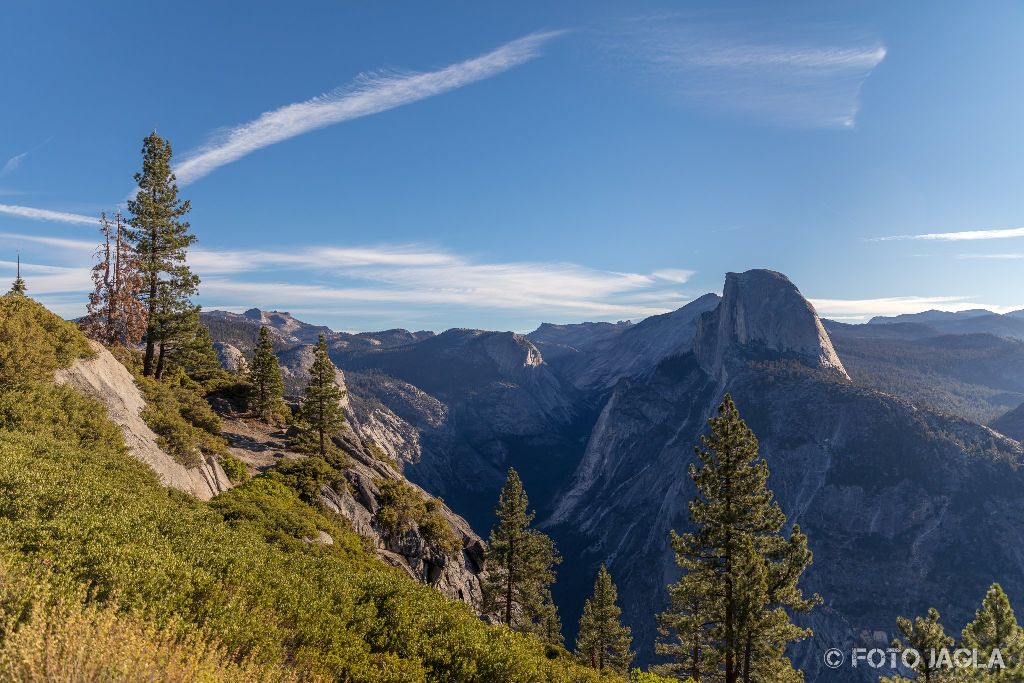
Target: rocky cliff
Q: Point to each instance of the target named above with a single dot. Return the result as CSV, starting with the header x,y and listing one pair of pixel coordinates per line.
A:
x,y
106,380
896,500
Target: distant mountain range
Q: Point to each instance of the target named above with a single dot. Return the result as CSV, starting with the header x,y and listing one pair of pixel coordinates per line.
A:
x,y
872,432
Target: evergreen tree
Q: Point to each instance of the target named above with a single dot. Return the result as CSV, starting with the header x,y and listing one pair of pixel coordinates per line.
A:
x,y
603,642
520,563
729,613
18,287
265,376
995,628
321,412
162,239
191,350
549,625
115,315
927,636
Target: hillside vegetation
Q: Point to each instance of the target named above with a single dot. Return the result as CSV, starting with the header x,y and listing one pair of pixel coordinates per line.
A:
x,y
106,573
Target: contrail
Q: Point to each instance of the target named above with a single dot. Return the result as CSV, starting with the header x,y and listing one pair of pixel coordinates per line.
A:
x,y
369,95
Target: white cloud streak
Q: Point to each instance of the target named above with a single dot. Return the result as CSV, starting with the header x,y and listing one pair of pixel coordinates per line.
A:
x,y
48,215
961,236
779,79
12,164
862,309
371,94
397,277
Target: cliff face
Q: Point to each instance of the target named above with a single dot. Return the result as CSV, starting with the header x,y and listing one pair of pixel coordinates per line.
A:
x,y
763,313
895,500
105,379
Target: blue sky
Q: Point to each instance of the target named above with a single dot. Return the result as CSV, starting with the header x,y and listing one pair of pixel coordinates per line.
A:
x,y
371,165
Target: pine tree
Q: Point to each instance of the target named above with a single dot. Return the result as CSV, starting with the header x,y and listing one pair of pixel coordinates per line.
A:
x,y
548,624
728,613
162,239
520,563
115,315
321,412
265,376
926,636
995,628
191,350
18,287
603,642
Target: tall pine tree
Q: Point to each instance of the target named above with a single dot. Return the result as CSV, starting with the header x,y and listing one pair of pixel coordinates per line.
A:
x,y
115,315
265,377
995,628
603,642
320,414
928,638
729,615
520,564
162,239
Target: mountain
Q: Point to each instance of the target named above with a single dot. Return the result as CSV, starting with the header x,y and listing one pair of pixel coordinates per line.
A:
x,y
974,376
871,433
595,355
962,322
893,498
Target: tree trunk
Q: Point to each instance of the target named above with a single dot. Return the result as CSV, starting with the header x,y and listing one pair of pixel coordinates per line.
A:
x,y
147,365
508,584
160,363
748,646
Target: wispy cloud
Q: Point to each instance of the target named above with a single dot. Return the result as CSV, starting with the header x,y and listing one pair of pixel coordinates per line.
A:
x,y
370,94
48,215
382,278
862,309
12,164
995,257
963,235
779,78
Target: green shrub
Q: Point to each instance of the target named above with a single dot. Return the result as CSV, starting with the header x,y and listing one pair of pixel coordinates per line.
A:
x,y
236,470
403,508
34,343
176,409
76,502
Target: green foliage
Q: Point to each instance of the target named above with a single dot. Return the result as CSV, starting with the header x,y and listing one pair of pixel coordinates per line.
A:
x,y
403,508
603,642
76,502
730,611
380,454
177,411
265,377
995,628
162,239
520,563
927,636
53,632
236,470
34,343
320,416
638,676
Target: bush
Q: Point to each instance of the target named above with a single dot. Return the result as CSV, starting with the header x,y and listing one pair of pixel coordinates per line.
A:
x,y
56,634
236,470
404,508
35,343
76,502
177,411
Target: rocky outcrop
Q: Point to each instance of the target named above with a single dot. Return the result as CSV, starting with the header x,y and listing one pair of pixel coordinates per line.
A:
x,y
231,358
105,379
456,576
763,314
